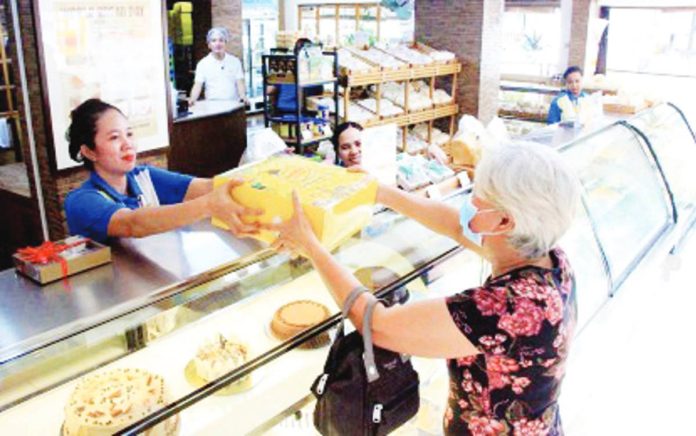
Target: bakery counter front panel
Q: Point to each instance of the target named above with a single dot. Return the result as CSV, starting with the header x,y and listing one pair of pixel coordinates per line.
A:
x,y
217,330
209,140
142,271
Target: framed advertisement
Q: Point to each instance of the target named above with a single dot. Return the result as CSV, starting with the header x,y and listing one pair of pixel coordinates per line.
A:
x,y
108,49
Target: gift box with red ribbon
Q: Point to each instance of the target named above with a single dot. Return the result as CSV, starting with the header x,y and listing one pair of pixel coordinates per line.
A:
x,y
53,261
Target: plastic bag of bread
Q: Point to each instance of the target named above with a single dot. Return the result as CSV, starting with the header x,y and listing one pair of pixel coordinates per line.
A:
x,y
465,149
466,144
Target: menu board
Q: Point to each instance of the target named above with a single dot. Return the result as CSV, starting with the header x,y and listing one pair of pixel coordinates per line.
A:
x,y
108,49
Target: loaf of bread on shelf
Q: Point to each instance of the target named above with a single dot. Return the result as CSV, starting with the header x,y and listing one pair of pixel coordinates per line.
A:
x,y
107,402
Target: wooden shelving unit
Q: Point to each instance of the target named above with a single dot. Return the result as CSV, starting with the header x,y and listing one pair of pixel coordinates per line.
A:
x,y
8,88
378,75
356,13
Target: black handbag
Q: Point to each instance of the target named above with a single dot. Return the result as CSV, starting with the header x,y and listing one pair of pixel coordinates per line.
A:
x,y
364,390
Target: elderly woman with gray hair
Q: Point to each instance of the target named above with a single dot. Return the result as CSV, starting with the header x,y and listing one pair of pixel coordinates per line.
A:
x,y
219,72
505,341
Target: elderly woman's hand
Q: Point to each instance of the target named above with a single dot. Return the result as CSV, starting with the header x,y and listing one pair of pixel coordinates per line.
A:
x,y
223,207
296,234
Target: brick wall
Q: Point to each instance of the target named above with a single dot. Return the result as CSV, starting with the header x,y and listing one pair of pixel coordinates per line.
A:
x,y
472,30
578,33
202,22
228,13
54,184
49,181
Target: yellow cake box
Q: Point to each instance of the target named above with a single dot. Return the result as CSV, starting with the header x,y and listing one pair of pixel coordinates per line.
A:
x,y
338,203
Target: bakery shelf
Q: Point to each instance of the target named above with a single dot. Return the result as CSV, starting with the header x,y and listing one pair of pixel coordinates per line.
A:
x,y
415,117
289,64
302,83
409,73
520,115
307,142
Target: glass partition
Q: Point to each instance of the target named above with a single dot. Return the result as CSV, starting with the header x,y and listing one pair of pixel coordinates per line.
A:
x,y
624,195
675,146
239,305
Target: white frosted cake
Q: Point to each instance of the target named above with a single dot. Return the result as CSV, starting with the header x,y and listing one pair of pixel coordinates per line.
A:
x,y
105,403
218,356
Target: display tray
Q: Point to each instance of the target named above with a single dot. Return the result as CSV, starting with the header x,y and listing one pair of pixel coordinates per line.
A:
x,y
314,346
246,383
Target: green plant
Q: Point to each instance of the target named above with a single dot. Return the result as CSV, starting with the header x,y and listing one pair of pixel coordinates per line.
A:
x,y
532,41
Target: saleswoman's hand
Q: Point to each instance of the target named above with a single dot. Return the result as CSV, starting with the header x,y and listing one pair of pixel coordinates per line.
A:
x,y
223,207
295,235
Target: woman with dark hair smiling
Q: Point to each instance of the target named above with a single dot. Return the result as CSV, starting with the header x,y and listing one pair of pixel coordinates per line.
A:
x,y
122,199
347,143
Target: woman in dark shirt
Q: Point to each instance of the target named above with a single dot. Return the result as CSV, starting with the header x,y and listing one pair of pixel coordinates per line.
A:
x,y
505,341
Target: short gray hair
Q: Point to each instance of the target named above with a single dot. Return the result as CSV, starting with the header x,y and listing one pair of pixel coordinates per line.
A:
x,y
531,182
218,31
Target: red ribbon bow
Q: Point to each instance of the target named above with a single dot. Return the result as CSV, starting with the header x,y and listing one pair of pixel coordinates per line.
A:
x,y
48,252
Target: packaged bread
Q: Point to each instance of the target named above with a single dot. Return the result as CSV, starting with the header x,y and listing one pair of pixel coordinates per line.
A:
x,y
337,203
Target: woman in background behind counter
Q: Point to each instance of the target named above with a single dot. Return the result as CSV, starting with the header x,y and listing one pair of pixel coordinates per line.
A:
x,y
219,72
564,106
122,199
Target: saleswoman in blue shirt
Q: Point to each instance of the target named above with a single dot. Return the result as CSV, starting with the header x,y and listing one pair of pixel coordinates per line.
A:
x,y
565,106
122,199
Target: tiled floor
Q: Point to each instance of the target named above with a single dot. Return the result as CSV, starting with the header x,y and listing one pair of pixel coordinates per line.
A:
x,y
631,371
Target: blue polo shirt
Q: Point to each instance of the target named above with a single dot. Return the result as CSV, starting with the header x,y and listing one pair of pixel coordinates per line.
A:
x,y
555,111
90,207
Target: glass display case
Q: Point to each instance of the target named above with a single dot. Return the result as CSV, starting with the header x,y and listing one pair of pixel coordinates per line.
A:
x,y
627,207
624,195
673,141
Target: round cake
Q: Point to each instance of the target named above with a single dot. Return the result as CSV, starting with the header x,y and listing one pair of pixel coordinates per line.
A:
x,y
105,403
298,316
218,356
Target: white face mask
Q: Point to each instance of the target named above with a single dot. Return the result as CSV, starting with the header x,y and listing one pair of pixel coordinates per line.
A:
x,y
466,214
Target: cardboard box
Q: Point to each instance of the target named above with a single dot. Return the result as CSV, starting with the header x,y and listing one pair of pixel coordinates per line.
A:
x,y
338,203
79,258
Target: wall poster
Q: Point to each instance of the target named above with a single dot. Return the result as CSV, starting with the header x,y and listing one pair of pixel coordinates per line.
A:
x,y
110,49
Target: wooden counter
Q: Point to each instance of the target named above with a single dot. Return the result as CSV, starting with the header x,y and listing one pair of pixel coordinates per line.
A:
x,y
210,139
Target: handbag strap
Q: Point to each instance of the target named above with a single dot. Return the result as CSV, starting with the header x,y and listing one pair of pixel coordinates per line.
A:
x,y
369,356
348,304
368,345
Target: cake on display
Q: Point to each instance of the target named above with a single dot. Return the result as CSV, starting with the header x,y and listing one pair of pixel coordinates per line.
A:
x,y
105,403
217,357
297,316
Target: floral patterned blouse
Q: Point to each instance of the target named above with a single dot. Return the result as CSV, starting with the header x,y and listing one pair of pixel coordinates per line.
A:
x,y
522,322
